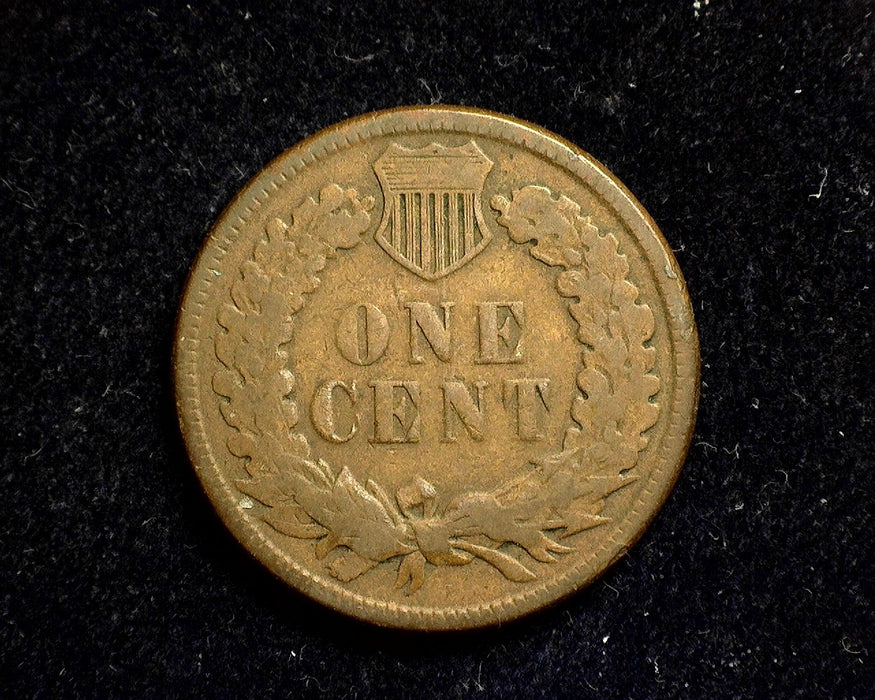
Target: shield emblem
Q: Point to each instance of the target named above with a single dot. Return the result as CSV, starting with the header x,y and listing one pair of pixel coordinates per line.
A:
x,y
432,221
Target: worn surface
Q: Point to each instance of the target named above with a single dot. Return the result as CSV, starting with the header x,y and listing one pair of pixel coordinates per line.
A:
x,y
742,128
438,396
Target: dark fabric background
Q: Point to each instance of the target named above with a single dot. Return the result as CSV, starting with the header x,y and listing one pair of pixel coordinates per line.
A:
x,y
746,130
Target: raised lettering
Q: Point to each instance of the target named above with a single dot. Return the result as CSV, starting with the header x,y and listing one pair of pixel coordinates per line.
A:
x,y
501,330
426,325
362,334
323,410
530,396
458,402
396,411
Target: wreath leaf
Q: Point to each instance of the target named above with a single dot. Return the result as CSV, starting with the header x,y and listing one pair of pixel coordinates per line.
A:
x,y
411,570
507,565
539,510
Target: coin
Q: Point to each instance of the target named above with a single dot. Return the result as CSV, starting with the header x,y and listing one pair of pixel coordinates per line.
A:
x,y
436,368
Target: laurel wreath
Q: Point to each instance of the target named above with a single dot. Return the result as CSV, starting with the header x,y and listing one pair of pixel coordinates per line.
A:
x,y
531,515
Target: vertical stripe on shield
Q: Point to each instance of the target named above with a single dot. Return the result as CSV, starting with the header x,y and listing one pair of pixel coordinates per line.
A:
x,y
426,261
433,229
436,225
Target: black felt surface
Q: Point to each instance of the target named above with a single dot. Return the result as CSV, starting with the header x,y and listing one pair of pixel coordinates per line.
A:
x,y
745,128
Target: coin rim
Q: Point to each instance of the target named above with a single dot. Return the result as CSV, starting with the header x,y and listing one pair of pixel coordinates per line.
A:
x,y
668,280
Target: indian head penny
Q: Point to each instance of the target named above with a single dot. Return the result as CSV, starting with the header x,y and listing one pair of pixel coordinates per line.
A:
x,y
436,368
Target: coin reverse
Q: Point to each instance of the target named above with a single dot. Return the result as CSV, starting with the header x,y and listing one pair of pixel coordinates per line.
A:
x,y
436,368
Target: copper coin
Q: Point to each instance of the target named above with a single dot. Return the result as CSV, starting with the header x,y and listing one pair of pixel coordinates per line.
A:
x,y
436,368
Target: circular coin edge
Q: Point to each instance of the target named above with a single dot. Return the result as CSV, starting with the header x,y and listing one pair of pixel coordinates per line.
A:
x,y
669,282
